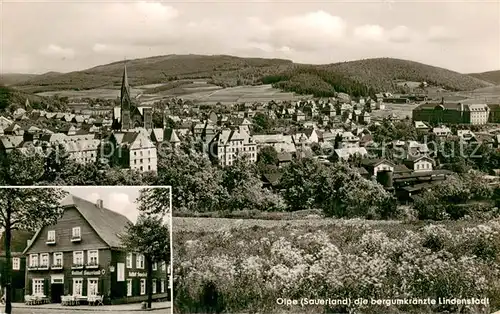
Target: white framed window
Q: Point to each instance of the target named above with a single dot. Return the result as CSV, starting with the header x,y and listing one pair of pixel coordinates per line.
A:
x,y
33,260
44,260
154,286
163,266
78,258
77,286
129,260
120,268
155,266
16,263
139,261
129,287
92,286
143,286
162,286
37,287
76,233
58,259
93,258
51,236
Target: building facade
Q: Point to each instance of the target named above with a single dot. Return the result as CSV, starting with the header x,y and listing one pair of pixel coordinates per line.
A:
x,y
19,242
452,113
82,255
132,150
228,145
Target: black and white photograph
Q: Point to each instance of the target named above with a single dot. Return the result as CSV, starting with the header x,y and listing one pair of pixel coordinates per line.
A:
x,y
324,156
85,249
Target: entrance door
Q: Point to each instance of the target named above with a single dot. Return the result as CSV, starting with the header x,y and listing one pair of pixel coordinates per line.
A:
x,y
57,290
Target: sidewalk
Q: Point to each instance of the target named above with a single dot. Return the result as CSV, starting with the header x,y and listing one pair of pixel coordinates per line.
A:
x,y
155,306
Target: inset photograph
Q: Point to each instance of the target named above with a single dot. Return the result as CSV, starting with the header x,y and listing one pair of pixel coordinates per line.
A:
x,y
84,249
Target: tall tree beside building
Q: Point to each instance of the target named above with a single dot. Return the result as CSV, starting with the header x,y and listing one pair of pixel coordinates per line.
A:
x,y
21,167
25,209
149,236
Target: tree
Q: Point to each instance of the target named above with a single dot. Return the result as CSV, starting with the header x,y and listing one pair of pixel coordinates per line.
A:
x,y
149,236
22,167
267,156
155,201
26,209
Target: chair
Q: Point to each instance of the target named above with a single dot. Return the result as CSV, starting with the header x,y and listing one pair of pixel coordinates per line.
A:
x,y
92,299
99,299
28,300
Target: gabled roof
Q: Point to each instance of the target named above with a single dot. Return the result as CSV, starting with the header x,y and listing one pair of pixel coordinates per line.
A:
x,y
19,241
375,162
108,224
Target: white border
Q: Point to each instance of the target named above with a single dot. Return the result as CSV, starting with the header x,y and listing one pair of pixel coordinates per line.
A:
x,y
169,215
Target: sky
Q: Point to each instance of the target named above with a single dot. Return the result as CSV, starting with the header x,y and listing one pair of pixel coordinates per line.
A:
x,y
66,35
120,199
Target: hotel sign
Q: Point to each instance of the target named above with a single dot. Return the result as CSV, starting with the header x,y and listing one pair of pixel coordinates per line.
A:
x,y
137,274
88,272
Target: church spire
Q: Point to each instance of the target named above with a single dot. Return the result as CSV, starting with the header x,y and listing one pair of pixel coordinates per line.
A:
x,y
125,101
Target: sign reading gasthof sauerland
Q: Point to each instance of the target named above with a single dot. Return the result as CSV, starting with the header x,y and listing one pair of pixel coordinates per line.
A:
x,y
87,273
137,274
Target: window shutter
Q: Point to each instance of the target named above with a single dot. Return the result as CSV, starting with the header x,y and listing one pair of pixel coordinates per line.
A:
x,y
46,284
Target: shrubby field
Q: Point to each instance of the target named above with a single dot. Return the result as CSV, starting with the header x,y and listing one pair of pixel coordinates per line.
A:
x,y
232,268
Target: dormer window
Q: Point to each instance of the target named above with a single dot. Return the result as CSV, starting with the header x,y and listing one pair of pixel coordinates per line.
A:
x,y
51,237
76,234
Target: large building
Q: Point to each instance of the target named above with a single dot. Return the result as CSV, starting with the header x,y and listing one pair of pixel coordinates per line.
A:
x,y
129,116
452,113
82,255
228,145
133,150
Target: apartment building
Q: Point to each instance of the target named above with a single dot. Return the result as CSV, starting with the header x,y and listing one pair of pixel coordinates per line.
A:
x,y
82,255
228,145
132,150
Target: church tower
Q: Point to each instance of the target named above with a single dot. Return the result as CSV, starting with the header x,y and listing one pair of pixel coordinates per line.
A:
x,y
125,102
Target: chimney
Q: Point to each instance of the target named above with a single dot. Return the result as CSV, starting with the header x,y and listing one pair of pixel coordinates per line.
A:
x,y
99,203
442,100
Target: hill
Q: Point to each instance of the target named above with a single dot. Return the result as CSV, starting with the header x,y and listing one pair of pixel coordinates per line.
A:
x,y
490,76
11,99
362,76
15,78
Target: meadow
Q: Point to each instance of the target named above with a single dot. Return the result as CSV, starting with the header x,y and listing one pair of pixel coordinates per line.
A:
x,y
244,266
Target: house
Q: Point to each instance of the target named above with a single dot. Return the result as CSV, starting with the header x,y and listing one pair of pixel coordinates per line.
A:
x,y
442,131
299,116
284,158
420,125
347,140
375,165
465,135
19,241
419,163
346,153
132,150
82,255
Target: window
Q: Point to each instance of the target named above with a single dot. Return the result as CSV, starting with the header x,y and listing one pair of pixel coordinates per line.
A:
x,y
58,259
162,286
154,286
129,287
34,260
155,266
92,286
129,260
37,286
163,266
143,286
77,286
51,236
78,258
139,261
44,260
16,263
93,258
76,234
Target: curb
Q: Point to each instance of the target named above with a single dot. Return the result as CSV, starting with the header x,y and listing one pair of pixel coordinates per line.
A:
x,y
96,310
